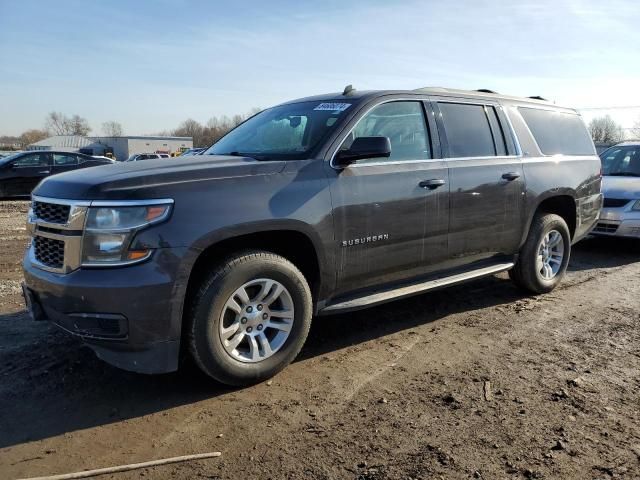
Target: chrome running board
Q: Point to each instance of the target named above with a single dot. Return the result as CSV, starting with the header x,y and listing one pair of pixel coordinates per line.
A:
x,y
407,291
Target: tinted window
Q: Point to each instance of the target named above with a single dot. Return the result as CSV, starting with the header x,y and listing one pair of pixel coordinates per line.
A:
x,y
467,130
33,160
622,161
403,123
63,160
498,133
558,132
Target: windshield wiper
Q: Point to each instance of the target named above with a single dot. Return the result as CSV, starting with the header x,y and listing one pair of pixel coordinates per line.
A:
x,y
241,154
623,174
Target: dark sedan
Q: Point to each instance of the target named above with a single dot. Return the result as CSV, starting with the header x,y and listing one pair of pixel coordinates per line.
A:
x,y
21,172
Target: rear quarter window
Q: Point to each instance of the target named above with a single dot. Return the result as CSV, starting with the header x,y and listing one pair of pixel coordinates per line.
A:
x,y
558,133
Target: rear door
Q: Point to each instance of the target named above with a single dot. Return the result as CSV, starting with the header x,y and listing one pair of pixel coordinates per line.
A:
x,y
486,176
26,172
388,225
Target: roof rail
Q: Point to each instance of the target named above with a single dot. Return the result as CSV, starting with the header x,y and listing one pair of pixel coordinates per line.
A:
x,y
485,90
538,97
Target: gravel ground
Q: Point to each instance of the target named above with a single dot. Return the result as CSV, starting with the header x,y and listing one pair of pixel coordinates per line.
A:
x,y
476,381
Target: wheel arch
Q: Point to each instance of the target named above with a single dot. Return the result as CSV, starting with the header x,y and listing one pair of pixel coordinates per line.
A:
x,y
562,203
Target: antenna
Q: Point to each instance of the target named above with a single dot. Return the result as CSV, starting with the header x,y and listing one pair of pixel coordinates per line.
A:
x,y
538,97
348,90
485,90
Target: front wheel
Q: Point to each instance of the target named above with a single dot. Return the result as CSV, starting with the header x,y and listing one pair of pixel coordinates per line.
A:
x,y
545,255
250,318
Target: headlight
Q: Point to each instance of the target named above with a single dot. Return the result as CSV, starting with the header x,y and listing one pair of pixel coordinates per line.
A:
x,y
636,206
109,231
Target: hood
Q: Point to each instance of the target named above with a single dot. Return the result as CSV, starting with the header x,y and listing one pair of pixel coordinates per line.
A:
x,y
621,187
132,180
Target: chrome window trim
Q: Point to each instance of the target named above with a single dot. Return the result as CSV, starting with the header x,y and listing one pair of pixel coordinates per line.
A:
x,y
131,203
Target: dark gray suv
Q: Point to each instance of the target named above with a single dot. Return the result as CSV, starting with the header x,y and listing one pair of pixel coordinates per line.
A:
x,y
316,206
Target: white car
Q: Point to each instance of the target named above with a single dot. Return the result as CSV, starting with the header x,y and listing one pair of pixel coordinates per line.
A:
x,y
146,156
620,216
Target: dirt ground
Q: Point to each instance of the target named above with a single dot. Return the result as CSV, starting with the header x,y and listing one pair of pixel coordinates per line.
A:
x,y
476,381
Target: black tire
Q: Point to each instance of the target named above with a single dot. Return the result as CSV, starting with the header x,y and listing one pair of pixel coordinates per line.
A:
x,y
525,274
205,343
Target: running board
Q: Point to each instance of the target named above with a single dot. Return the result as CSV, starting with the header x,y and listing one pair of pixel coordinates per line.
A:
x,y
398,293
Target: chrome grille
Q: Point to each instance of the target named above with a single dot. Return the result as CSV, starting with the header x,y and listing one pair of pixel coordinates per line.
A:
x,y
615,202
48,251
51,212
603,227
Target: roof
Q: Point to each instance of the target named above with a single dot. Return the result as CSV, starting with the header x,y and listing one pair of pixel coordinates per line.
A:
x,y
364,94
62,141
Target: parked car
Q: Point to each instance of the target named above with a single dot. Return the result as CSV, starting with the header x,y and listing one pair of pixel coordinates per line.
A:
x,y
106,159
146,156
193,151
620,216
317,206
21,172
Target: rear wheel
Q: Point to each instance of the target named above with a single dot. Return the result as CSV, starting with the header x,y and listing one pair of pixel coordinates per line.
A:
x,y
249,318
545,255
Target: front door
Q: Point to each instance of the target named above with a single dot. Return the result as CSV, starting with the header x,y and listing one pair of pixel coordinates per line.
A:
x,y
390,214
26,172
487,181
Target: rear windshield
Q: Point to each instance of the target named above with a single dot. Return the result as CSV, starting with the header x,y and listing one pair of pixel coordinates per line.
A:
x,y
558,132
285,132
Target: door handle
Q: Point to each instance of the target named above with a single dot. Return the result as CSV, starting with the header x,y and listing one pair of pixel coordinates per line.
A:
x,y
510,176
45,171
432,184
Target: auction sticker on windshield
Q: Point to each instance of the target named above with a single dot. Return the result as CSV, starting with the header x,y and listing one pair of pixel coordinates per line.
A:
x,y
334,107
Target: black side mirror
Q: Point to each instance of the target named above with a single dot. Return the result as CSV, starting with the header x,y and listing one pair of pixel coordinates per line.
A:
x,y
364,147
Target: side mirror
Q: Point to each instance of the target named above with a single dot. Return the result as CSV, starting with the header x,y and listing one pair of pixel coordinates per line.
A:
x,y
364,147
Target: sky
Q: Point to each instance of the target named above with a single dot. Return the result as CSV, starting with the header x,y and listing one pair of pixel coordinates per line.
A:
x,y
152,64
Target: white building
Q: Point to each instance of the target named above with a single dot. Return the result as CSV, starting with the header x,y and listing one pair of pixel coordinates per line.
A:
x,y
120,147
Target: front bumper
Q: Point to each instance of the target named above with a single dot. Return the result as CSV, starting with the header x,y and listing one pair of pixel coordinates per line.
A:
x,y
618,222
130,316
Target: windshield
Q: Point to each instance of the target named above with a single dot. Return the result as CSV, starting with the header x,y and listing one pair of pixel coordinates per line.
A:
x,y
286,132
622,161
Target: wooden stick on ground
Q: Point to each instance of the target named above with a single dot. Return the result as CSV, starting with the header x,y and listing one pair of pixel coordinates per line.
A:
x,y
126,468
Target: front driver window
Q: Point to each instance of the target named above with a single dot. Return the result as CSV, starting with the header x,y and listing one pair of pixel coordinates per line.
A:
x,y
33,160
403,123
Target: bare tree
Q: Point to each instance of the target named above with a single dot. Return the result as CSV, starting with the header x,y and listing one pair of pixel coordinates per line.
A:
x,y
32,136
112,129
79,126
635,131
605,130
59,124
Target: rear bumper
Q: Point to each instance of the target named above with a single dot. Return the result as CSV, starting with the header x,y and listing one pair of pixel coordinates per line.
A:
x,y
587,212
618,222
131,316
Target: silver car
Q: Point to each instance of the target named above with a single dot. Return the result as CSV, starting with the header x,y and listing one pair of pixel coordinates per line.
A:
x,y
620,216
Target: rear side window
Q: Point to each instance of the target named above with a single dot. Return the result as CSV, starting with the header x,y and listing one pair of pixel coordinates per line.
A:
x,y
468,130
558,132
64,160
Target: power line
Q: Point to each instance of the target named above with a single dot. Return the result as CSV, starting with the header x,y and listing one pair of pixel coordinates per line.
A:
x,y
618,107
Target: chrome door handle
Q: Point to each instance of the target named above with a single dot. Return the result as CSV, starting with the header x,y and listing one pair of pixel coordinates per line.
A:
x,y
432,184
510,176
45,171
